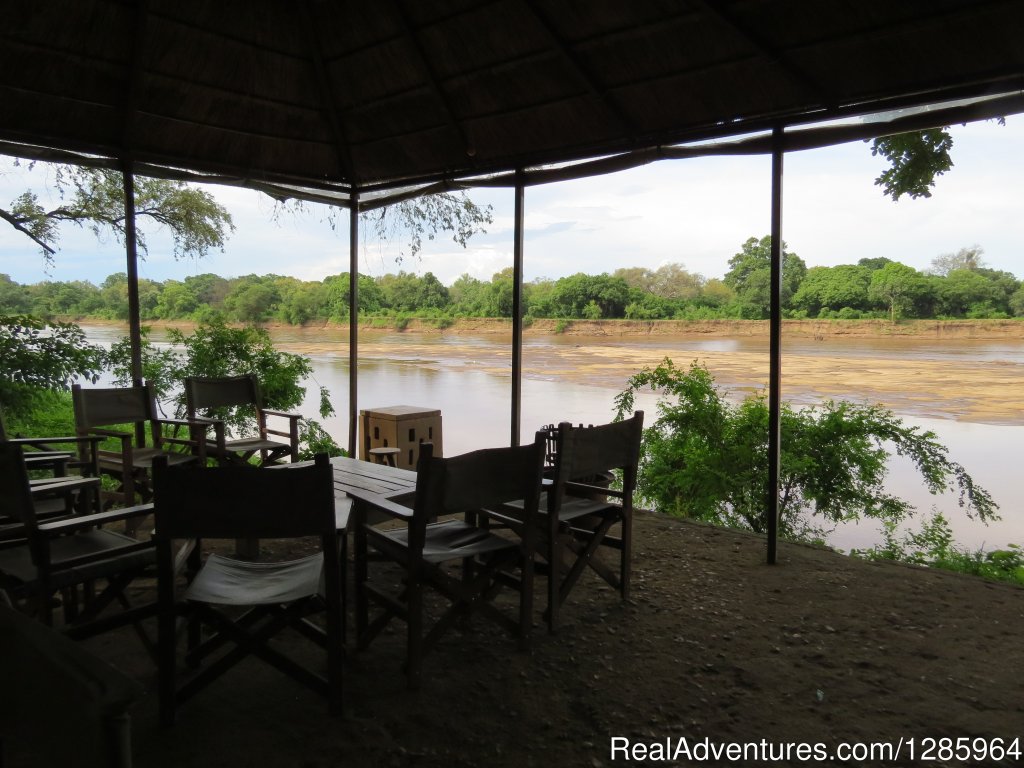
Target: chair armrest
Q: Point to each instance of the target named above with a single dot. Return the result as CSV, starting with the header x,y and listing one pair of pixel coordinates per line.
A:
x,y
110,433
90,521
126,439
184,422
12,534
282,414
64,484
385,505
42,441
603,490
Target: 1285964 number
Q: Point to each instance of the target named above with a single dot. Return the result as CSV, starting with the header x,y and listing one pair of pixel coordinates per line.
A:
x,y
965,748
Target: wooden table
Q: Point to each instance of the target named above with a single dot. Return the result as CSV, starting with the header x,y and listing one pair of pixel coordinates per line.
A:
x,y
352,477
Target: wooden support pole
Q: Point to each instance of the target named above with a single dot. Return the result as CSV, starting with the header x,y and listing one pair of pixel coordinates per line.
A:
x,y
132,271
775,351
517,309
353,323
132,259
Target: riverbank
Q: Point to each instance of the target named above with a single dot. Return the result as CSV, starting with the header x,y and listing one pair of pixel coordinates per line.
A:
x,y
804,329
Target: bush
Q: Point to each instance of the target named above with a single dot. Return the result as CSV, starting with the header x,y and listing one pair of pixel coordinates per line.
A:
x,y
933,546
707,458
36,356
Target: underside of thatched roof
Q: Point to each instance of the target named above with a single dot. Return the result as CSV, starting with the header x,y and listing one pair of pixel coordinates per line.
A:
x,y
340,93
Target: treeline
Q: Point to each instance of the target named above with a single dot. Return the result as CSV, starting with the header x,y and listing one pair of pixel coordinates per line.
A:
x,y
958,286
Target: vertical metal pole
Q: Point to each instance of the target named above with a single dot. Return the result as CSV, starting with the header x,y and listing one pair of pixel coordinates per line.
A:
x,y
353,322
132,257
517,310
775,350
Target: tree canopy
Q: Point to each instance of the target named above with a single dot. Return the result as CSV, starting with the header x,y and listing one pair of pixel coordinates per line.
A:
x,y
94,198
958,286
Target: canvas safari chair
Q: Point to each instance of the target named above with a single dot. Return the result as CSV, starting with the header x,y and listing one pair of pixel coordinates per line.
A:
x,y
579,518
463,563
69,556
207,397
98,410
55,454
246,603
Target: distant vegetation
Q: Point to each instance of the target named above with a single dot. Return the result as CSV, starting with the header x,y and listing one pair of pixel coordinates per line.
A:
x,y
958,285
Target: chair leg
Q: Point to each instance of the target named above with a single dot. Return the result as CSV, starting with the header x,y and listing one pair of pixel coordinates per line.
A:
x,y
626,561
414,627
166,642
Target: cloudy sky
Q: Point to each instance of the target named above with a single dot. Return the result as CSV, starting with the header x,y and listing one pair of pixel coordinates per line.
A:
x,y
697,212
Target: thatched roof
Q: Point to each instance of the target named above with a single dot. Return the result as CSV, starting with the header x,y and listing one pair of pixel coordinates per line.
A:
x,y
386,92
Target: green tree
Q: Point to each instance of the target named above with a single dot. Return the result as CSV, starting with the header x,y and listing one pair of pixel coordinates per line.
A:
x,y
873,262
14,297
1017,302
705,457
177,300
209,289
572,295
895,286
94,198
301,301
114,294
964,292
469,296
749,275
38,356
834,287
498,294
915,159
252,298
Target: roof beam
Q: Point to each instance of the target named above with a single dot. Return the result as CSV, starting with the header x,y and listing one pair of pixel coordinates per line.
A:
x,y
129,104
323,82
581,69
798,76
433,80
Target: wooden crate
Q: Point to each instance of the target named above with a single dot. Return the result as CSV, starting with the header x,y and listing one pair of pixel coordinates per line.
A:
x,y
403,427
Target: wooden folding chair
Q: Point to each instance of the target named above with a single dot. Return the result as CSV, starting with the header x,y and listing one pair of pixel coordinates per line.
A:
x,y
68,556
577,515
58,456
462,485
207,399
232,502
96,410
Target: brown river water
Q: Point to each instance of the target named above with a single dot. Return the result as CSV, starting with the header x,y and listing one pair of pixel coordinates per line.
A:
x,y
970,392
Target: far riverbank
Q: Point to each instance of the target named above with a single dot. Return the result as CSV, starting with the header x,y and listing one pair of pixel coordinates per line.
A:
x,y
804,329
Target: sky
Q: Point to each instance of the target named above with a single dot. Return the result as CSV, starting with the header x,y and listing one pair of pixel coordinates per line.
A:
x,y
697,212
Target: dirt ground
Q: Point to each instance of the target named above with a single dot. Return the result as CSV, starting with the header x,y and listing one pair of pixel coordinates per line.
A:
x,y
714,645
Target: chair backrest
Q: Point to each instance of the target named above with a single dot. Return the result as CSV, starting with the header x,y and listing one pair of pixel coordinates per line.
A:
x,y
107,406
239,502
15,493
477,480
587,451
206,392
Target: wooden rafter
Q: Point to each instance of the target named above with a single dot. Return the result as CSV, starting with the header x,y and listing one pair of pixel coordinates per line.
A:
x,y
580,68
323,82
